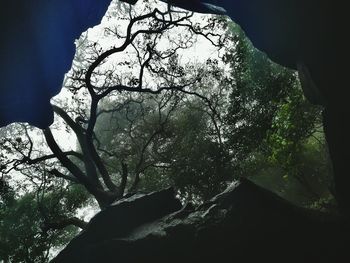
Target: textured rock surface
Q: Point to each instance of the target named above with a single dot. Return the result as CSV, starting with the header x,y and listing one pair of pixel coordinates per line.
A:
x,y
243,224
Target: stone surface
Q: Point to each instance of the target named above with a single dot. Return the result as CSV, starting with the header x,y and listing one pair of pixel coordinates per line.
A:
x,y
243,224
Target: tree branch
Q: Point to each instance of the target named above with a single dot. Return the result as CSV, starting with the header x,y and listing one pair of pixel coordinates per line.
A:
x,y
78,130
70,166
58,174
125,175
51,156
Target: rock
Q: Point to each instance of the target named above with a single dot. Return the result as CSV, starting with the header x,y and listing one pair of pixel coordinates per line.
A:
x,y
117,221
42,33
246,223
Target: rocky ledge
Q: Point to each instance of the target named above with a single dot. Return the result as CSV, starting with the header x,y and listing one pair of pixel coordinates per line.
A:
x,y
245,223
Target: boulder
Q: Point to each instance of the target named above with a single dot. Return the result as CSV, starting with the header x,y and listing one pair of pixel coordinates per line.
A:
x,y
246,223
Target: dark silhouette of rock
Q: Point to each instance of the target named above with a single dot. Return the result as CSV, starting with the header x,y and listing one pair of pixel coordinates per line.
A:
x,y
243,224
36,50
118,221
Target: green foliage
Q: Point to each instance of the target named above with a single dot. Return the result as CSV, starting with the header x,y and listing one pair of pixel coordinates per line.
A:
x,y
296,144
274,134
294,122
258,125
21,239
292,158
259,87
198,166
22,224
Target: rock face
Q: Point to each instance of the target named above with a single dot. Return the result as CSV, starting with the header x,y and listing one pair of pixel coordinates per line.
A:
x,y
37,44
243,224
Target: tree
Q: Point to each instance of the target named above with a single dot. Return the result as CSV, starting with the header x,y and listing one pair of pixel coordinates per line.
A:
x,y
157,71
54,180
25,236
185,132
274,133
206,143
259,87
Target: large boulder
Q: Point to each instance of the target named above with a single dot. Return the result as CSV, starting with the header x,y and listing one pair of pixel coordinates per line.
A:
x,y
243,224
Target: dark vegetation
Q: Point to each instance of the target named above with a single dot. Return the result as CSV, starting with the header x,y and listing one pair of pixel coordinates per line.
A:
x,y
146,119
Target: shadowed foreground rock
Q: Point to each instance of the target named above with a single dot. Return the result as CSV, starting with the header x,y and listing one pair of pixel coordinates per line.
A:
x,y
243,224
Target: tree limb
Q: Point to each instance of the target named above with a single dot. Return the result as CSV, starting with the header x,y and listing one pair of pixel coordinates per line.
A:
x,y
58,174
94,189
